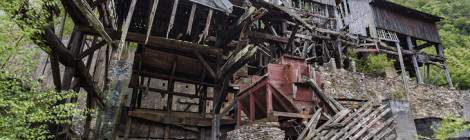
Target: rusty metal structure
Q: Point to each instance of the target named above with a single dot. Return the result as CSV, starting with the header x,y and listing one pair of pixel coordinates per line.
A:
x,y
217,44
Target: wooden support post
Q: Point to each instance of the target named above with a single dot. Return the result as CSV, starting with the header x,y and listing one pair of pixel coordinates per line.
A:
x,y
166,135
55,67
216,127
125,26
402,67
415,61
74,47
207,26
172,18
440,52
239,113
152,16
339,55
292,37
202,108
269,103
252,108
191,19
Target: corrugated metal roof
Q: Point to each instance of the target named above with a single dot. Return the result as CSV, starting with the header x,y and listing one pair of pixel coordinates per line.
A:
x,y
221,5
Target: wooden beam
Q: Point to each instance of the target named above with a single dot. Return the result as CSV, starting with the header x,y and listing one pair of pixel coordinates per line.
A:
x,y
402,67
177,118
206,65
267,37
65,57
161,42
424,46
237,60
181,79
92,49
92,19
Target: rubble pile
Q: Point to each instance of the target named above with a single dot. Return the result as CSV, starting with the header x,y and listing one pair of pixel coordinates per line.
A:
x,y
426,100
258,131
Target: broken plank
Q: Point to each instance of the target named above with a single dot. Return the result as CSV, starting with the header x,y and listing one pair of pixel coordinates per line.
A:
x,y
311,124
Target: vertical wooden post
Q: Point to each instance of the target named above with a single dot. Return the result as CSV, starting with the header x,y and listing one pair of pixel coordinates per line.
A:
x,y
440,52
172,18
74,46
269,103
252,108
414,60
191,19
239,113
152,16
402,67
339,55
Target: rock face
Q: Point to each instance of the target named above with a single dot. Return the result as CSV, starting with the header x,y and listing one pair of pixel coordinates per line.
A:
x,y
260,131
426,100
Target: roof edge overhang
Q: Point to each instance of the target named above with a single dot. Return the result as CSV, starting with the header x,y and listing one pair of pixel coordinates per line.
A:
x,y
405,10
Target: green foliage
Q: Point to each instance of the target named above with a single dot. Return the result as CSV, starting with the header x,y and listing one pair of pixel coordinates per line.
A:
x,y
450,127
375,64
31,16
454,31
26,110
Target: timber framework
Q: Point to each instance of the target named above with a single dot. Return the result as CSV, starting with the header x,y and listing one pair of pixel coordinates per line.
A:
x,y
218,45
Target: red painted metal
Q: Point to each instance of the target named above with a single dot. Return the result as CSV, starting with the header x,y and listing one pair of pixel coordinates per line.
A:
x,y
281,90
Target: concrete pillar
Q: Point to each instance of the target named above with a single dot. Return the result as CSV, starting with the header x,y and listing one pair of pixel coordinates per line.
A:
x,y
466,108
405,128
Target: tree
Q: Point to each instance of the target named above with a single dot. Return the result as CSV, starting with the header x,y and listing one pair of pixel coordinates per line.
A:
x,y
26,110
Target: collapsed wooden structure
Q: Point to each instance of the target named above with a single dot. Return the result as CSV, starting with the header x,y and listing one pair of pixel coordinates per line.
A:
x,y
207,42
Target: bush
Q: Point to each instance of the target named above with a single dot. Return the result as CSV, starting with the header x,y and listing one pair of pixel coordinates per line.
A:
x,y
375,64
450,127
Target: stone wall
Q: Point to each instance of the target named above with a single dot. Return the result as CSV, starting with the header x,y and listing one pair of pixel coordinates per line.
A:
x,y
259,131
426,100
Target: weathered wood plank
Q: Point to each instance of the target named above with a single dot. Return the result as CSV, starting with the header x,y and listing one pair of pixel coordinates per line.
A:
x,y
378,129
94,21
335,119
365,128
311,124
362,122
